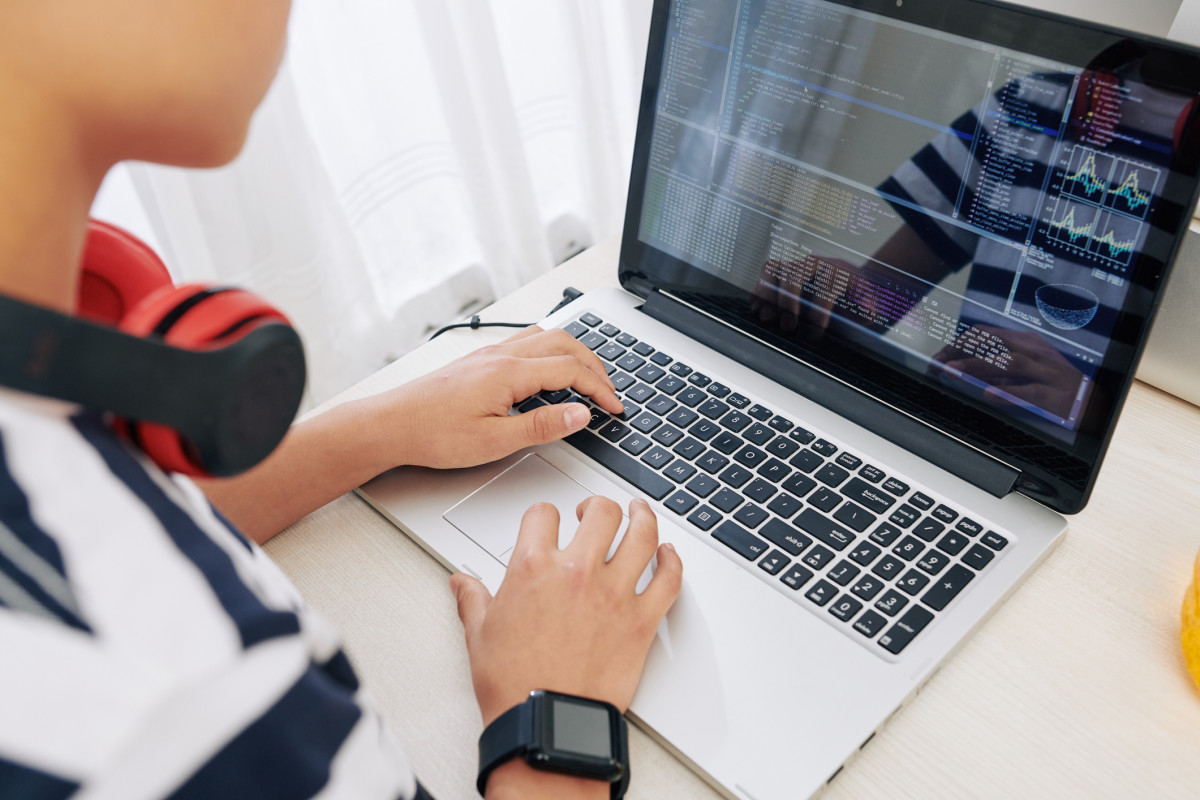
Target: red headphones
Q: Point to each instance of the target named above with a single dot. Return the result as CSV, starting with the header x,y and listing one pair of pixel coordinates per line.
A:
x,y
206,381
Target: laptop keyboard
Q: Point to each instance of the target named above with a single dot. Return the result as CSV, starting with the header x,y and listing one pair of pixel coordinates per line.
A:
x,y
835,532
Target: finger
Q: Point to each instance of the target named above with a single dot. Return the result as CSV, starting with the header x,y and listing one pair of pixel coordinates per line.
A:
x,y
539,426
473,600
531,375
638,545
524,333
537,537
660,593
599,521
557,342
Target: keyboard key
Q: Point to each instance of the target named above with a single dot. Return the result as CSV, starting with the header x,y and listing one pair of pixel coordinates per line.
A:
x,y
832,475
843,572
643,349
740,540
699,379
704,518
657,457
870,623
867,587
705,429
855,517
978,557
909,548
593,340
904,516
599,416
774,470
681,502
712,407
823,529
627,339
636,444
896,487
736,421
611,351
885,534
727,500
575,329
608,329
806,461
947,587
912,582
818,557
994,540
736,476
864,553
758,433
702,485
640,393
679,471
796,576
718,389
799,485
759,491
760,413
928,529
667,435
557,396
921,501
952,543
774,562
801,435
849,461
591,320
785,536
784,506
872,474
737,400
749,456
888,567
613,431
891,602
691,397
622,381
867,495
968,526
751,515
661,359
821,592
681,417
825,448
825,499
726,442
628,468
651,373
629,412
781,447
669,385
933,562
537,402
712,462
905,630
661,405
845,607
645,422
945,514
631,363
681,369
781,424
688,448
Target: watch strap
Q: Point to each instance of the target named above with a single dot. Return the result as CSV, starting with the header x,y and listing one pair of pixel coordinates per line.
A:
x,y
509,736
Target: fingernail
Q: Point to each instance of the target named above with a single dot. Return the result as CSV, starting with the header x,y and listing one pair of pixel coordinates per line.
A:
x,y
575,416
669,546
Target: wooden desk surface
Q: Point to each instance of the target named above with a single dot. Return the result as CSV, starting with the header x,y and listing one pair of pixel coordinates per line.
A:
x,y
1076,687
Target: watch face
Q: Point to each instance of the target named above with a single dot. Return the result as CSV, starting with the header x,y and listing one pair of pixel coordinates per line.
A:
x,y
580,729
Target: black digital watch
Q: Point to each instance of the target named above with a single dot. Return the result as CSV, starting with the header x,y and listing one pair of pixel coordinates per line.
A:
x,y
559,733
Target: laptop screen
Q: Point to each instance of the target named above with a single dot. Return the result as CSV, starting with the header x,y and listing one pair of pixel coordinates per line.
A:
x,y
962,208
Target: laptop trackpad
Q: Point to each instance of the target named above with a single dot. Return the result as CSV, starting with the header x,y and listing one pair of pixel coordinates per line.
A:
x,y
491,516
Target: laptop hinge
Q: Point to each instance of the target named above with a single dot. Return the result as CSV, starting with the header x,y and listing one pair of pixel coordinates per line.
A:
x,y
948,453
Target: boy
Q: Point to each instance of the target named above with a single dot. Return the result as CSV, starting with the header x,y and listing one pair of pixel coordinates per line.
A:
x,y
149,650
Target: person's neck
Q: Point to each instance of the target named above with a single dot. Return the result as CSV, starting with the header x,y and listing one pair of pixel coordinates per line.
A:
x,y
46,191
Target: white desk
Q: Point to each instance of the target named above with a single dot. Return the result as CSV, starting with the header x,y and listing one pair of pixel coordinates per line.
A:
x,y
1075,688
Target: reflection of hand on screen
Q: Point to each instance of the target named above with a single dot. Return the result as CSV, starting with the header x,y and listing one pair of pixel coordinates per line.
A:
x,y
806,292
1020,364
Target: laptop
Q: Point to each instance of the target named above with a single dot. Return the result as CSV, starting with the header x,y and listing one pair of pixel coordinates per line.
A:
x,y
886,272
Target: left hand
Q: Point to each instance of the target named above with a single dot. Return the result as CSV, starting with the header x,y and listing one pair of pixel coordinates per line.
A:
x,y
458,416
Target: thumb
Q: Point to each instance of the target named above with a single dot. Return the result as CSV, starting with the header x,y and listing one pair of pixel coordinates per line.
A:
x,y
473,600
547,424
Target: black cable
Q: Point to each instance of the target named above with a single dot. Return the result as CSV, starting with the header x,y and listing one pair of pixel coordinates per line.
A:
x,y
570,294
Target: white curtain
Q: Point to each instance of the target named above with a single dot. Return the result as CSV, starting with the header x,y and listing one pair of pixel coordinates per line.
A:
x,y
414,160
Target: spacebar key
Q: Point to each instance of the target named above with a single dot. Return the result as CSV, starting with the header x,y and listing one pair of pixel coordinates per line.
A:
x,y
628,468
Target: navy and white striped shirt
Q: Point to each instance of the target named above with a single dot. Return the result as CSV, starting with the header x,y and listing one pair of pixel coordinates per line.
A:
x,y
148,650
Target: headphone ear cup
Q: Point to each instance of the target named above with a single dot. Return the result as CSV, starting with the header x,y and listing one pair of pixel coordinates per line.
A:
x,y
118,271
197,317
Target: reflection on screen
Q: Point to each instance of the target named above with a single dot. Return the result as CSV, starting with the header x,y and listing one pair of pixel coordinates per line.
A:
x,y
967,211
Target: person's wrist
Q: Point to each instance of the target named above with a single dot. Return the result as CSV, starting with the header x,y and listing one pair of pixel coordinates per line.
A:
x,y
516,780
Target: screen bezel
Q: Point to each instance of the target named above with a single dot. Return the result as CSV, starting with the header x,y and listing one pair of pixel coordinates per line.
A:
x,y
1059,474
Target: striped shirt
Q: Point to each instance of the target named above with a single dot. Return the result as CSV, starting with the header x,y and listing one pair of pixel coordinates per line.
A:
x,y
148,650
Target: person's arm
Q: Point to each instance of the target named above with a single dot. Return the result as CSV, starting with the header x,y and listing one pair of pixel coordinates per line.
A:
x,y
566,621
454,417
